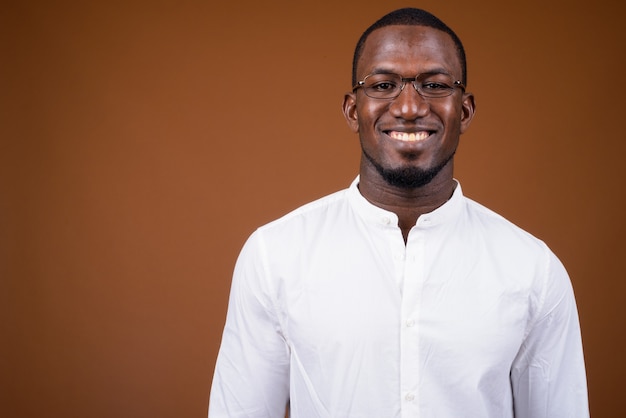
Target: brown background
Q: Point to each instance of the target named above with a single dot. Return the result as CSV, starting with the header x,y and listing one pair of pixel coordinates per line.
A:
x,y
141,143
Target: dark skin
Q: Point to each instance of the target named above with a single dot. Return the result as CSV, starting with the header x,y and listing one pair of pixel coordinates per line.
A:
x,y
409,131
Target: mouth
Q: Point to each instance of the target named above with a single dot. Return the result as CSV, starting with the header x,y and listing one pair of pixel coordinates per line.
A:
x,y
408,136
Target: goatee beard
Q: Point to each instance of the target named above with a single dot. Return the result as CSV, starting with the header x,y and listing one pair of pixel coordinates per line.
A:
x,y
408,177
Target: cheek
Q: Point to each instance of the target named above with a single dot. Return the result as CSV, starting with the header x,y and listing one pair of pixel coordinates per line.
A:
x,y
451,109
368,114
452,115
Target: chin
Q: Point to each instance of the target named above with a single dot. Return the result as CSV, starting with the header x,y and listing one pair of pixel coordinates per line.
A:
x,y
408,177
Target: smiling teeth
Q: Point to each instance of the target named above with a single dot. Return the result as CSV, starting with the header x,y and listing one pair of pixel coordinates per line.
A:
x,y
409,137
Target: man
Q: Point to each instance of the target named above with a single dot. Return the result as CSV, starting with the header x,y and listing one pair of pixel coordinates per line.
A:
x,y
400,297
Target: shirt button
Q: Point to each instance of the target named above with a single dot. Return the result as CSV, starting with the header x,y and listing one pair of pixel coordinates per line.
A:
x,y
410,322
409,397
386,220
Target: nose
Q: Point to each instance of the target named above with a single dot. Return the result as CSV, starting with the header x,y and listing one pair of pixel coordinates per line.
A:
x,y
409,104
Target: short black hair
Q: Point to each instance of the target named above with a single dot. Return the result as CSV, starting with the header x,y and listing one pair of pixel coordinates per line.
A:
x,y
412,17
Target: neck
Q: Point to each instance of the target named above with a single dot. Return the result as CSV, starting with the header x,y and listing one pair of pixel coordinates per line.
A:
x,y
408,204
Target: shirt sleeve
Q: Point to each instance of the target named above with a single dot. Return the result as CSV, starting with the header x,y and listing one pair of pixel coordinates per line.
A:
x,y
252,371
548,375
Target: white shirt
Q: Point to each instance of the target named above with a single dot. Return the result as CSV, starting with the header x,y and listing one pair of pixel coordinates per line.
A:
x,y
330,311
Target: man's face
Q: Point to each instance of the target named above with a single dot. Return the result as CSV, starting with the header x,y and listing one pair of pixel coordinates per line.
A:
x,y
409,136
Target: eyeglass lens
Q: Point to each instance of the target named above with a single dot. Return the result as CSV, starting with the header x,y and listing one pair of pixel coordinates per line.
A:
x,y
389,85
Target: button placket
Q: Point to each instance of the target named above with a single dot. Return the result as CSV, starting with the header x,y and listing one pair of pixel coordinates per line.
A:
x,y
413,273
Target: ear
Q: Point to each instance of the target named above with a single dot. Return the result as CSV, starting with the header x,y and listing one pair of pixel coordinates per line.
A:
x,y
349,111
468,109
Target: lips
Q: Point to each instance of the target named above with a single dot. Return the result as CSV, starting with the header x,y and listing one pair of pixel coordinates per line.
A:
x,y
408,136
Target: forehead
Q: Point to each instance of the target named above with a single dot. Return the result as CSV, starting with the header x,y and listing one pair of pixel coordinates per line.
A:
x,y
408,50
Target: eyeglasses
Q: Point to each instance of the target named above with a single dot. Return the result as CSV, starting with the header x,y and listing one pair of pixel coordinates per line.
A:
x,y
390,85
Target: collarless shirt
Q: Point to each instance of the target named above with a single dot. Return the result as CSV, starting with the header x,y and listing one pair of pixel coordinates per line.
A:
x,y
331,312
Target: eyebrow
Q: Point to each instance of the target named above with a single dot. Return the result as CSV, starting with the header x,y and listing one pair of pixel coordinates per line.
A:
x,y
432,71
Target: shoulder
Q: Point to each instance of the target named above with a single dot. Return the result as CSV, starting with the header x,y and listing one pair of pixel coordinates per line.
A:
x,y
310,215
517,251
497,227
305,221
285,242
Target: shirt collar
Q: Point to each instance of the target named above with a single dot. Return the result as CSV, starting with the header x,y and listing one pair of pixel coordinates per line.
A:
x,y
371,213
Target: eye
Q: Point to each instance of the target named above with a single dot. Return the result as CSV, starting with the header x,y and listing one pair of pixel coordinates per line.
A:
x,y
384,85
433,86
